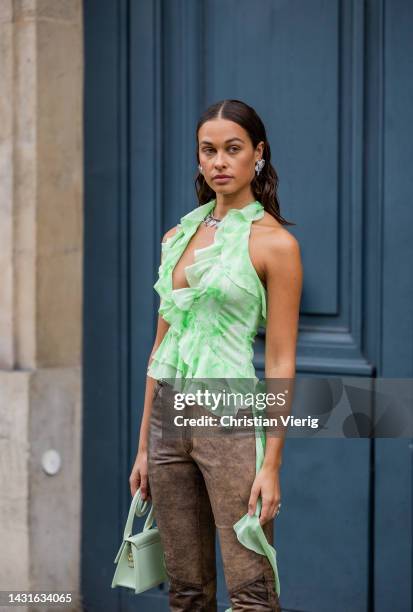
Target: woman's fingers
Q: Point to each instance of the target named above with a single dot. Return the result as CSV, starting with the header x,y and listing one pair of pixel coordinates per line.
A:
x,y
252,502
144,486
266,511
134,481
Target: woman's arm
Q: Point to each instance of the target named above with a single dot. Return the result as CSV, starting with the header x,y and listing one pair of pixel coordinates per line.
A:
x,y
139,474
161,330
284,277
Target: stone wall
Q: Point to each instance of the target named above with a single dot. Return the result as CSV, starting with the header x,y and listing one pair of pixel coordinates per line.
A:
x,y
41,236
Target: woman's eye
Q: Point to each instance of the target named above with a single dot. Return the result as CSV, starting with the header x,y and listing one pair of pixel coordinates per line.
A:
x,y
233,149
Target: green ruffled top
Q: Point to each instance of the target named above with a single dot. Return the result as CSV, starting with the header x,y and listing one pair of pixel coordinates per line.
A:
x,y
214,321
213,324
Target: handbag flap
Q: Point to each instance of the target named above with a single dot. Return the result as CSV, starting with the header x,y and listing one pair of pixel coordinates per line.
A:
x,y
145,538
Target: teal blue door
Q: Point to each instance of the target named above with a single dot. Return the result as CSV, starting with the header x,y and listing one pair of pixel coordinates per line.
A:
x,y
331,80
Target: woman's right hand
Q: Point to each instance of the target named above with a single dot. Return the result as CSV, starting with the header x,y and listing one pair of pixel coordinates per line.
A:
x,y
139,476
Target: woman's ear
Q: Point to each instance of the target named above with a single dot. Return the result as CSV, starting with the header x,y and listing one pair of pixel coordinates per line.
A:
x,y
260,150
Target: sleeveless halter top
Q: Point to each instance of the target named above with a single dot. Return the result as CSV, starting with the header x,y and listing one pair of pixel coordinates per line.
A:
x,y
213,321
213,324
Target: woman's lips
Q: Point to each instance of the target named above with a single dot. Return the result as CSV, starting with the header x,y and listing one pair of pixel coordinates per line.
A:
x,y
222,179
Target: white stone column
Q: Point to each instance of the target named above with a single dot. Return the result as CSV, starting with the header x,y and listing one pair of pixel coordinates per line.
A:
x,y
41,236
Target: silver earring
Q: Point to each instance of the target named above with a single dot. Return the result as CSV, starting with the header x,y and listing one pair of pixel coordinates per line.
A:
x,y
200,168
259,166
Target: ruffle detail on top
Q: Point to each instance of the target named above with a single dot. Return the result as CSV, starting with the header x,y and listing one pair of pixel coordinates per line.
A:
x,y
241,270
200,322
173,307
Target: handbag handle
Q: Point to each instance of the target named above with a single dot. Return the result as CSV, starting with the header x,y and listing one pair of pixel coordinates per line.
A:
x,y
138,507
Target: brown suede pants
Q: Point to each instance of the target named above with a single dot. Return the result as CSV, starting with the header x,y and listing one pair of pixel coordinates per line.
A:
x,y
200,483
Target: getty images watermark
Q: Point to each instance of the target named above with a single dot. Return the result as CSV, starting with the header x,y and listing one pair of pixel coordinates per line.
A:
x,y
214,401
327,407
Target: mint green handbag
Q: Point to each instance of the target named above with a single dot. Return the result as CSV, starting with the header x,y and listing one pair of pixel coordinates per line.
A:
x,y
140,559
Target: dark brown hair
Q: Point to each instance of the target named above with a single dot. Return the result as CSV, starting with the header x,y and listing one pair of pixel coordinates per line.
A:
x,y
264,186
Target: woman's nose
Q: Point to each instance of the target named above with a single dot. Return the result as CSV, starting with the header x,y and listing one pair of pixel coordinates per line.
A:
x,y
220,161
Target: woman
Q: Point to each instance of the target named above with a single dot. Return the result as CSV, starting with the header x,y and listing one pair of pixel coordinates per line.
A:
x,y
228,267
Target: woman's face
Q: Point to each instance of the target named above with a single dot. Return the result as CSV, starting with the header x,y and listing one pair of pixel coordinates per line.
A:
x,y
225,148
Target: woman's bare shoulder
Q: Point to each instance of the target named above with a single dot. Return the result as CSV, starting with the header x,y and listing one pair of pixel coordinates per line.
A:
x,y
276,247
272,235
169,233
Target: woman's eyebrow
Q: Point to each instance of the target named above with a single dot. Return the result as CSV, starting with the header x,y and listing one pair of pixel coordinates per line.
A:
x,y
229,140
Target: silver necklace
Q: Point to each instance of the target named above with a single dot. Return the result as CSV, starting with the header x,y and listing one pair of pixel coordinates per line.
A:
x,y
211,221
